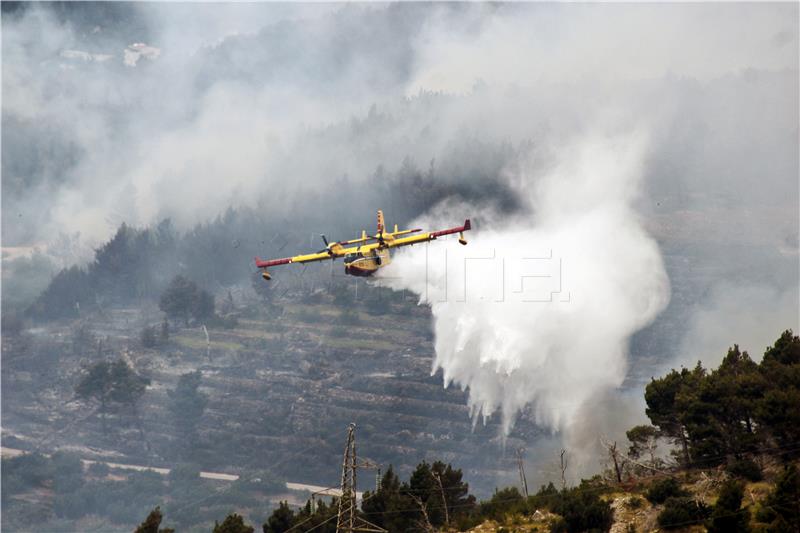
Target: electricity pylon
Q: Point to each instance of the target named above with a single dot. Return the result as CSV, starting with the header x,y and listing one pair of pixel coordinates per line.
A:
x,y
348,520
521,465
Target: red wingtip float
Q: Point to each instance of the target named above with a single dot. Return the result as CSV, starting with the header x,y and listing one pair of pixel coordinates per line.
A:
x,y
370,252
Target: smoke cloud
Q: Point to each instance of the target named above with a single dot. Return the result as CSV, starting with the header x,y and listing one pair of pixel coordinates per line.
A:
x,y
618,130
555,343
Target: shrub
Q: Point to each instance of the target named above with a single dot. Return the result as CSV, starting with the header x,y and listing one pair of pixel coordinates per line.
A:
x,y
545,498
635,502
780,509
506,501
99,469
69,292
663,489
348,317
727,517
583,510
745,468
680,512
223,322
183,299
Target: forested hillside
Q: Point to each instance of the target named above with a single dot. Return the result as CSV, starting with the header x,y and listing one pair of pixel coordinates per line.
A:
x,y
721,455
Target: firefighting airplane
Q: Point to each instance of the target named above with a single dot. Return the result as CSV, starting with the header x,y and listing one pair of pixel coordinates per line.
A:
x,y
365,259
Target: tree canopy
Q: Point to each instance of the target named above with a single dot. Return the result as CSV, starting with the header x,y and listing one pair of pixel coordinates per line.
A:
x,y
111,382
739,409
187,404
183,300
152,522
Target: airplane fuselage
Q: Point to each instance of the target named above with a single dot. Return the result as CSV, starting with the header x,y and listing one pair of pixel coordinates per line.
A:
x,y
364,264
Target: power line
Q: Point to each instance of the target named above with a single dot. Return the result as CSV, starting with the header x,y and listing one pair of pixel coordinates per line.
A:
x,y
347,520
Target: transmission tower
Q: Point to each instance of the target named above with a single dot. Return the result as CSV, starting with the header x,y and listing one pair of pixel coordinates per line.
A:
x,y
521,465
348,520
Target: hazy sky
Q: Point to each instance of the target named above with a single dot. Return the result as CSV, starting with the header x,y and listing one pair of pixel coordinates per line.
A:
x,y
241,103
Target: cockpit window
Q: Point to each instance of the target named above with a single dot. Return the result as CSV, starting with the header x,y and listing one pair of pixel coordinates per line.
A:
x,y
349,258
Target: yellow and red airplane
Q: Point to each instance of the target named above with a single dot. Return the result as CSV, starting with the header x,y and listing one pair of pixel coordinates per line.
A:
x,y
365,259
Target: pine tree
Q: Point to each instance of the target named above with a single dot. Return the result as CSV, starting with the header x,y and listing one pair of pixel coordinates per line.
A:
x,y
111,382
782,506
152,522
280,520
233,523
183,299
187,404
667,400
727,515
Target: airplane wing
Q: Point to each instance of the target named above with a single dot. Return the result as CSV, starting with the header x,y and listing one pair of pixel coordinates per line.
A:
x,y
432,235
306,258
337,249
334,252
403,232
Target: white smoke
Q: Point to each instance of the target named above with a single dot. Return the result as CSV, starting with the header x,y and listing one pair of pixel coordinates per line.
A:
x,y
267,105
751,316
607,281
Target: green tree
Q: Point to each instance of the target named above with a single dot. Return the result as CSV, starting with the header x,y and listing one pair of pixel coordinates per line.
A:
x,y
321,520
663,489
682,512
785,351
183,299
727,515
121,269
111,383
643,439
152,522
281,519
503,502
69,292
437,482
233,523
388,507
583,510
720,419
781,509
667,398
777,410
187,404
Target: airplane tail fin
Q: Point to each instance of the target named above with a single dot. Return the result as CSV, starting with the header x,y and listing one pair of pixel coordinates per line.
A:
x,y
381,224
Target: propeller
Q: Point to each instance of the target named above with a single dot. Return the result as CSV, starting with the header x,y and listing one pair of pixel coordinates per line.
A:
x,y
327,245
